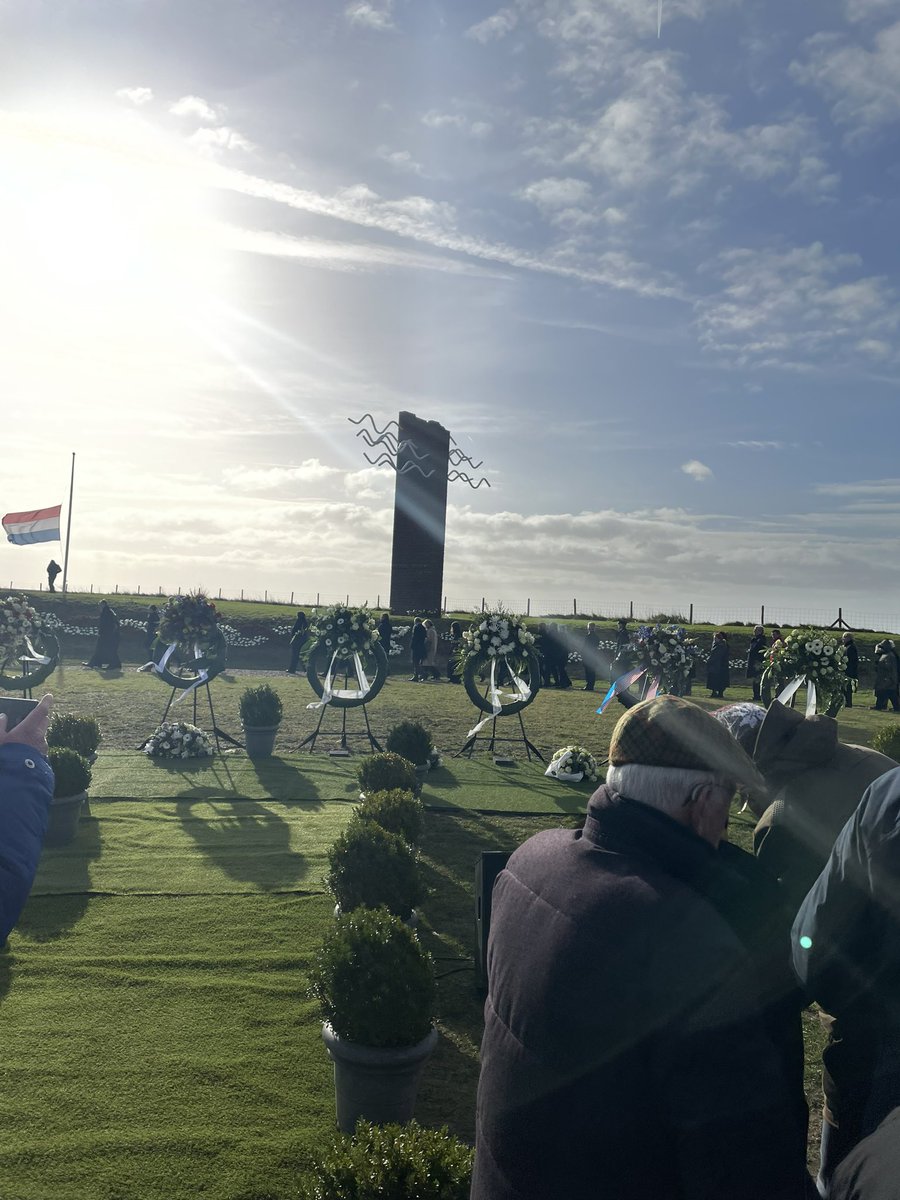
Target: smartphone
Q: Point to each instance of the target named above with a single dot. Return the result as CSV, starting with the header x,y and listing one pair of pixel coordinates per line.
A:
x,y
16,709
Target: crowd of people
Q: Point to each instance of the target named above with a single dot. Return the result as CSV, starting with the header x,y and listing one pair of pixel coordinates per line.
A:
x,y
646,978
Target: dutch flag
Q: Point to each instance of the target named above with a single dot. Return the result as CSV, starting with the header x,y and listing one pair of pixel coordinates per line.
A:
x,y
39,525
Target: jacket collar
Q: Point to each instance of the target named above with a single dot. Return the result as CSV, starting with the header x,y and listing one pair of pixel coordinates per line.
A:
x,y
622,826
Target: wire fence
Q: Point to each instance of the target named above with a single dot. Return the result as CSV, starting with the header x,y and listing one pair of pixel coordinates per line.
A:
x,y
688,612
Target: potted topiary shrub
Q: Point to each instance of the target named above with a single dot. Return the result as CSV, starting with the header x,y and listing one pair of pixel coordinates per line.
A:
x,y
396,811
77,733
370,867
383,772
376,990
261,711
72,776
391,1161
411,740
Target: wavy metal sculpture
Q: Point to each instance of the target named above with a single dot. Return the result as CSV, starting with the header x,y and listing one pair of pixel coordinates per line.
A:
x,y
368,417
375,437
408,466
454,475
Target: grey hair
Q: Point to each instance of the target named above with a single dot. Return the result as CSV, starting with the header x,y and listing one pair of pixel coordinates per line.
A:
x,y
662,788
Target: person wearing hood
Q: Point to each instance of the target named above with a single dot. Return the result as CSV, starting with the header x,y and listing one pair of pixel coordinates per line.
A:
x,y
755,656
814,783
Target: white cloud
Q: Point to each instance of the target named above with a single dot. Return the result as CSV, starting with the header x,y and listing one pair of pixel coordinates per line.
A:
x,y
402,160
194,106
135,95
552,194
753,445
874,347
497,26
862,86
213,142
371,16
863,10
435,119
697,470
261,479
800,308
864,487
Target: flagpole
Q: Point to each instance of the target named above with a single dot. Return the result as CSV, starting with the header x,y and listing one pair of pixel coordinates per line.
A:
x,y
68,525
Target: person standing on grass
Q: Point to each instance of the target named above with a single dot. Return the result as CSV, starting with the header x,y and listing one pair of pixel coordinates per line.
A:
x,y
755,653
452,661
53,569
385,631
299,634
429,662
418,648
106,652
625,1051
718,675
590,653
852,668
151,625
886,676
26,790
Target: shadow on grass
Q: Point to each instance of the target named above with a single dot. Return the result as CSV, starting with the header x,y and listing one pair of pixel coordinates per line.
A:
x,y
245,840
47,917
283,781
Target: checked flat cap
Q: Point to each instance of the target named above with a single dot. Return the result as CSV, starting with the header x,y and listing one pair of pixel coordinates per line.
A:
x,y
671,732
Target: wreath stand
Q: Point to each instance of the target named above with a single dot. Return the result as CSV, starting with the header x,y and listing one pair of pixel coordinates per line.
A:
x,y
217,732
530,749
319,653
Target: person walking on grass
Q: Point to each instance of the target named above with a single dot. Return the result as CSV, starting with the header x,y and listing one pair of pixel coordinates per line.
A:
x,y
590,652
429,663
755,654
53,569
106,651
718,675
299,634
418,649
886,676
151,625
626,1050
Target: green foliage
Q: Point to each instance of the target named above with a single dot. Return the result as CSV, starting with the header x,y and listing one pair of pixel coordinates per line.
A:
x,y
392,1162
667,619
369,867
77,733
887,741
261,707
384,772
70,771
373,980
411,740
396,811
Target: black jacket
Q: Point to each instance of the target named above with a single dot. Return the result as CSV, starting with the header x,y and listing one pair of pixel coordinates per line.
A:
x,y
755,652
624,1051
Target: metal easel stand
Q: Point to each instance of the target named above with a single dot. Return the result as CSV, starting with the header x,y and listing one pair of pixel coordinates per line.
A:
x,y
217,732
530,749
310,739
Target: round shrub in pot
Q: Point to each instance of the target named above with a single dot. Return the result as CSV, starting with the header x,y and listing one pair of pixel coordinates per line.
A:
x,y
76,733
384,772
370,867
72,778
261,712
396,811
411,740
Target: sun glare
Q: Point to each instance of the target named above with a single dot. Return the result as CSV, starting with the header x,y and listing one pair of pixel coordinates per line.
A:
x,y
102,218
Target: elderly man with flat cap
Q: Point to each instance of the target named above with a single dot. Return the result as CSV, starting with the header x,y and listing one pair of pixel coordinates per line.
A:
x,y
626,1052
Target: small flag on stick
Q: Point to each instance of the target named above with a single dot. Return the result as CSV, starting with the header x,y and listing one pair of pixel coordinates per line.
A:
x,y
39,525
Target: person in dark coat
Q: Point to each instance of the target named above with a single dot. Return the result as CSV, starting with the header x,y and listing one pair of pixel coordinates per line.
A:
x,y
625,1052
418,650
106,651
755,658
718,675
453,659
871,1170
846,952
385,631
852,668
53,569
26,791
151,625
590,654
886,676
558,650
299,634
623,658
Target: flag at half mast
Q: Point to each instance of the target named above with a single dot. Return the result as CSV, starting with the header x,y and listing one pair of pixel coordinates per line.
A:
x,y
39,525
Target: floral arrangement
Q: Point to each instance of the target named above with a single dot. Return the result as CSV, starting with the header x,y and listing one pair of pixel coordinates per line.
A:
x,y
496,635
18,621
667,653
345,631
178,739
814,655
188,621
574,763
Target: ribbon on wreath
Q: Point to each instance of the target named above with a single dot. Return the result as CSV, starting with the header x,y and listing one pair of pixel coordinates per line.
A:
x,y
330,693
159,668
521,695
33,655
625,681
788,693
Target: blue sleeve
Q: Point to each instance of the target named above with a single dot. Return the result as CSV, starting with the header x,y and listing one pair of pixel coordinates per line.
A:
x,y
26,789
835,931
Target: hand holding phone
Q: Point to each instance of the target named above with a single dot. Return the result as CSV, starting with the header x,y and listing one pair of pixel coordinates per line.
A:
x,y
25,721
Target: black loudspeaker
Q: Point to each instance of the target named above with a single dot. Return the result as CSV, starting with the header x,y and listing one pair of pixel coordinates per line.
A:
x,y
487,869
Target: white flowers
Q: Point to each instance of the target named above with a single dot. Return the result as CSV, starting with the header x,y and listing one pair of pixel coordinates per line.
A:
x,y
572,764
178,739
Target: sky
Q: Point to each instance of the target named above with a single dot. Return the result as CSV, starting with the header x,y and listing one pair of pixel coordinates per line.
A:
x,y
645,271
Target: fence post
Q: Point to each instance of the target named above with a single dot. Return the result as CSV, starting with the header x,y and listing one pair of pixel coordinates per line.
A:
x,y
117,589
444,609
691,614
317,599
574,608
139,589
528,607
242,592
292,598
482,603
347,605
378,600
92,588
630,610
762,614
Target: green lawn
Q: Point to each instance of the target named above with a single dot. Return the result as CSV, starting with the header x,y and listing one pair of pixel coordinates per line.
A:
x,y
158,1042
